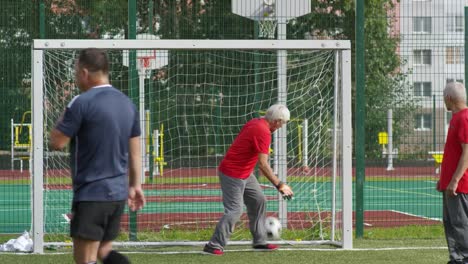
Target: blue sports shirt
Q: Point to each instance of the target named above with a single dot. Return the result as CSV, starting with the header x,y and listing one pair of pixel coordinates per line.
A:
x,y
100,123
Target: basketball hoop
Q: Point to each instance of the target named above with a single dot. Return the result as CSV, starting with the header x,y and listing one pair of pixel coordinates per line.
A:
x,y
267,25
267,28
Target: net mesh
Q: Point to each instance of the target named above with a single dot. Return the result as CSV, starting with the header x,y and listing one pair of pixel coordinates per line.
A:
x,y
267,29
195,106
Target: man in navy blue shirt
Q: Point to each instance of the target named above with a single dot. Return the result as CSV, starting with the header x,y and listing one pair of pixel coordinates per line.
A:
x,y
102,126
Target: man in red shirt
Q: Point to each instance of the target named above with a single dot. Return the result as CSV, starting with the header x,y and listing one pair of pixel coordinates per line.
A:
x,y
240,186
453,180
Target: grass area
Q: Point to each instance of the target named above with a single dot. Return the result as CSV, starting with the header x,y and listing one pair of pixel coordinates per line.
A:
x,y
427,236
409,244
405,232
429,233
365,252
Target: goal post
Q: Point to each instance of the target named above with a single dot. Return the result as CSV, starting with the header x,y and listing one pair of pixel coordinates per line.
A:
x,y
203,96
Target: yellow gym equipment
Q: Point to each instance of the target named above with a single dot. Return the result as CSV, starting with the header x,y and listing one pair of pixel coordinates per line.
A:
x,y
21,148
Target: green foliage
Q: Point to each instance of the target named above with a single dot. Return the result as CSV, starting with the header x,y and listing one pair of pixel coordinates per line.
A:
x,y
104,17
385,86
16,32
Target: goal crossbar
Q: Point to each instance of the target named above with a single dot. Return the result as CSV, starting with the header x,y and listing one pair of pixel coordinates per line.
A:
x,y
42,44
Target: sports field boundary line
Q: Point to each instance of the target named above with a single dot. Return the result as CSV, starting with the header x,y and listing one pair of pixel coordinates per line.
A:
x,y
292,249
243,250
402,191
420,216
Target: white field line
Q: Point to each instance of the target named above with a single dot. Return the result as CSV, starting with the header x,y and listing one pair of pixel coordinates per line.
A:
x,y
419,216
252,250
403,191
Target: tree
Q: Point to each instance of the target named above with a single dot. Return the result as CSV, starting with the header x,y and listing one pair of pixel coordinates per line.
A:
x,y
386,87
212,19
16,33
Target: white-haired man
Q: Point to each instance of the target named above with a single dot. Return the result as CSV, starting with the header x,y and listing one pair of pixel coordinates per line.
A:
x,y
240,186
453,180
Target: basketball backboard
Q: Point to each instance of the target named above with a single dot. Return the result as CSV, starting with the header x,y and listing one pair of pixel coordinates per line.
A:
x,y
149,59
270,9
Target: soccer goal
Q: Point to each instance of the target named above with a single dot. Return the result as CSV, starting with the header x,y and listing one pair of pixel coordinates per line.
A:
x,y
192,106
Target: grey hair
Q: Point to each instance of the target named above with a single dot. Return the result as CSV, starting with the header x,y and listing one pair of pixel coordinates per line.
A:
x,y
455,91
277,112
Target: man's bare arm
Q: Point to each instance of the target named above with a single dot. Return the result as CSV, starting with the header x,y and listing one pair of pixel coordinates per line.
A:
x,y
264,166
134,165
136,198
58,140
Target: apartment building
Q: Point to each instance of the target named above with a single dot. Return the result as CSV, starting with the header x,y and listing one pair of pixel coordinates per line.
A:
x,y
432,50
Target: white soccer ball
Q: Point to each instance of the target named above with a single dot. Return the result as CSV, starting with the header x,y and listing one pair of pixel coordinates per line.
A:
x,y
273,227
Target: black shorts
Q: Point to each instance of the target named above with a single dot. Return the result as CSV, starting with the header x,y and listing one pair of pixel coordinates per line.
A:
x,y
98,221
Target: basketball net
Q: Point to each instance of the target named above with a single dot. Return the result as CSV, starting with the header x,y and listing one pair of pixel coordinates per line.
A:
x,y
267,28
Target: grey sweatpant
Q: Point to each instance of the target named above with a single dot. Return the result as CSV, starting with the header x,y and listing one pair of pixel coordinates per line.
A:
x,y
236,193
455,217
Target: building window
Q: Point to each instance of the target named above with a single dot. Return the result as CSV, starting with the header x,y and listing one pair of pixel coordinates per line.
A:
x,y
455,23
422,25
454,55
454,80
422,89
422,57
423,121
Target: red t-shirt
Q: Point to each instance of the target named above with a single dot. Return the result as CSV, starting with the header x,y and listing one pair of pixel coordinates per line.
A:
x,y
241,157
457,135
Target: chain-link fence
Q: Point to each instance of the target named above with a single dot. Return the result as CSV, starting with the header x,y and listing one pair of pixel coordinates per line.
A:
x,y
413,48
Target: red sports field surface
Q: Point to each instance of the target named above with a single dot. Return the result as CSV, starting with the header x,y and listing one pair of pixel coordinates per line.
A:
x,y
296,220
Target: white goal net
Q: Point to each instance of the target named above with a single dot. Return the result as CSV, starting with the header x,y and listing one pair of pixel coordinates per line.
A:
x,y
192,109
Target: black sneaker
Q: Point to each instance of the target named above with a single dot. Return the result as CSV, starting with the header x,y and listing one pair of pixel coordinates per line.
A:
x,y
207,250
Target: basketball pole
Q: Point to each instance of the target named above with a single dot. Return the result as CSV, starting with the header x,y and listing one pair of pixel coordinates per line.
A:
x,y
390,140
141,102
150,101
132,7
282,99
